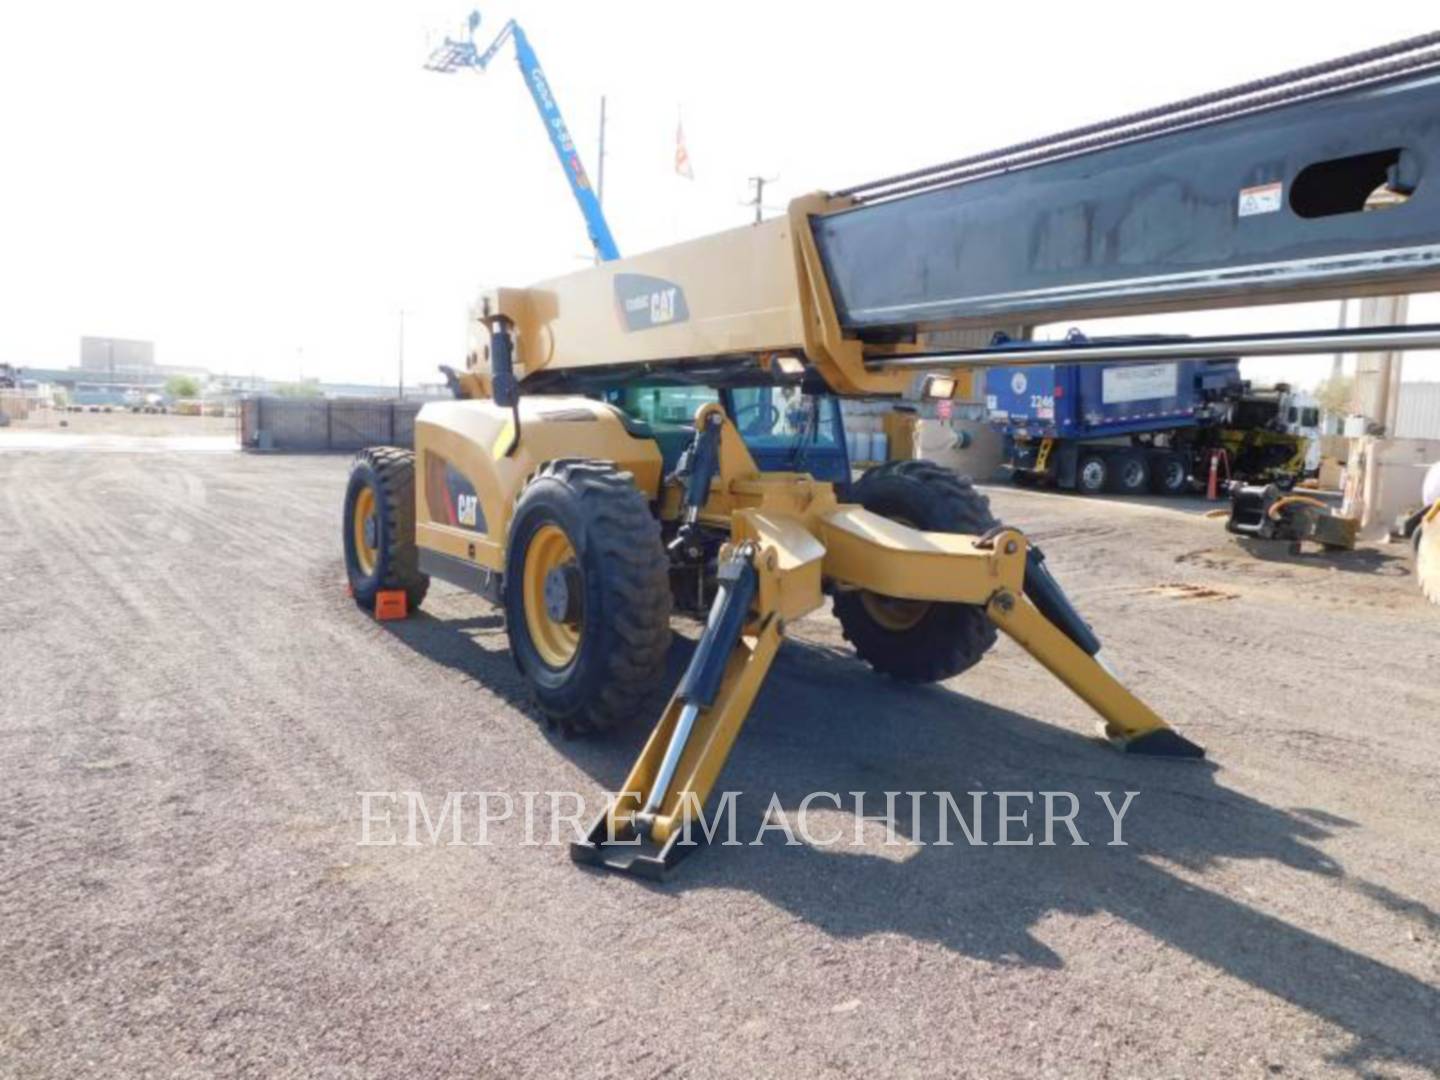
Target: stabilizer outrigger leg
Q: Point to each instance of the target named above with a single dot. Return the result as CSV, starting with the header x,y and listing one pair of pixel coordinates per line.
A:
x,y
647,829
788,536
1044,622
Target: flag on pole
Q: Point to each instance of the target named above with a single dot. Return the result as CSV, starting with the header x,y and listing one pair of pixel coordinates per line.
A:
x,y
682,156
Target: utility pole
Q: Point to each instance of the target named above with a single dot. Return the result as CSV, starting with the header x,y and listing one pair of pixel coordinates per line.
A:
x,y
758,183
400,378
600,157
1378,375
600,175
1337,365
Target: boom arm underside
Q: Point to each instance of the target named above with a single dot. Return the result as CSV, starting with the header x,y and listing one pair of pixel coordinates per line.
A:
x,y
1263,208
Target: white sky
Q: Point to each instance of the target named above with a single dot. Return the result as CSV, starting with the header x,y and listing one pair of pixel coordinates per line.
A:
x,y
262,186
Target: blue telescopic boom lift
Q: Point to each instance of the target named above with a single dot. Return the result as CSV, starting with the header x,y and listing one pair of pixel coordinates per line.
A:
x,y
454,55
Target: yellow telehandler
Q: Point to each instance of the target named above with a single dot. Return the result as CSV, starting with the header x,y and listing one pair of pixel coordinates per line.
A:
x,y
663,431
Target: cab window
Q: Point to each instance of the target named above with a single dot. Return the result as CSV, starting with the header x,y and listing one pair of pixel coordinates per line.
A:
x,y
782,417
662,406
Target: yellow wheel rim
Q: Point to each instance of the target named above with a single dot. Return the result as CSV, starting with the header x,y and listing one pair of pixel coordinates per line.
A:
x,y
366,554
891,612
557,640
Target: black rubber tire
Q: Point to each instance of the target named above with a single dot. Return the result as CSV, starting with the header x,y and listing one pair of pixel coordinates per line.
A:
x,y
390,472
1169,474
1092,474
948,638
1130,473
625,594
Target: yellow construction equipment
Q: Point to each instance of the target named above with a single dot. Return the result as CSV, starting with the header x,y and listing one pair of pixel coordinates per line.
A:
x,y
1427,553
662,431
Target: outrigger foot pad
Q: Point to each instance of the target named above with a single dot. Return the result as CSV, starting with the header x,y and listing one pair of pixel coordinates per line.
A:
x,y
1163,742
628,853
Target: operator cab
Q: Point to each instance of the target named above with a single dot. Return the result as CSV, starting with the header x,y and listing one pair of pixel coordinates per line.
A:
x,y
785,428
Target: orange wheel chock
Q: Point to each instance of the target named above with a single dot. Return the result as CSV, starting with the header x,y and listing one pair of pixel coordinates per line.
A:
x,y
390,604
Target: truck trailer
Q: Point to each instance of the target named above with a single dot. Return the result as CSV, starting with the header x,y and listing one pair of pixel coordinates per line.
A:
x,y
1134,427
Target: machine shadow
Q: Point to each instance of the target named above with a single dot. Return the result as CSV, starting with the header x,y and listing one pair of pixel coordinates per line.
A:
x,y
1363,560
873,735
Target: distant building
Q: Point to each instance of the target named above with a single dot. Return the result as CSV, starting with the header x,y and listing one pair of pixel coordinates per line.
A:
x,y
112,371
121,371
1417,414
112,357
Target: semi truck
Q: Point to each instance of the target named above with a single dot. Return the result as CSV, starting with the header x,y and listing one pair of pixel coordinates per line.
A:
x,y
1133,427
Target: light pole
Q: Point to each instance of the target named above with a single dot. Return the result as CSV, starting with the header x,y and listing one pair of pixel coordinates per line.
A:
x,y
400,378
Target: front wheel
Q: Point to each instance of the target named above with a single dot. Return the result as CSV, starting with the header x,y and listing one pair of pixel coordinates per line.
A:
x,y
378,527
587,594
918,640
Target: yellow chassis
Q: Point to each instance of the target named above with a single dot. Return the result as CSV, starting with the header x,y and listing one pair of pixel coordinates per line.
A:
x,y
1427,554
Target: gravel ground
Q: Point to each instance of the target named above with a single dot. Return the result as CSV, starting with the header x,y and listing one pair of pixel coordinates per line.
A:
x,y
190,704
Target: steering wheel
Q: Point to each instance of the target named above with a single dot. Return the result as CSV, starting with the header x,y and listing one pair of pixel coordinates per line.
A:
x,y
765,416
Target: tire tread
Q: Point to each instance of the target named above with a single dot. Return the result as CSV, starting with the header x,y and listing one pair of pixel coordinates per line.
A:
x,y
957,635
394,471
626,537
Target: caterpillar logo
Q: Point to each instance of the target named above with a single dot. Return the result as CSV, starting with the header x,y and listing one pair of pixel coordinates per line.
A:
x,y
465,509
450,498
647,302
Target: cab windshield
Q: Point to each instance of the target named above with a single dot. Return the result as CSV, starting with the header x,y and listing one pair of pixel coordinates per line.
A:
x,y
783,427
783,418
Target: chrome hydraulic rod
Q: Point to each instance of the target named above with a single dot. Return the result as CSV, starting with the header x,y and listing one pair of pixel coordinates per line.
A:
x,y
1296,343
702,681
668,764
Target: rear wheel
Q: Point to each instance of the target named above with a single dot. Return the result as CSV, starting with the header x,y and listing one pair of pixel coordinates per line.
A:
x,y
587,594
1092,472
918,640
1131,474
378,530
1168,474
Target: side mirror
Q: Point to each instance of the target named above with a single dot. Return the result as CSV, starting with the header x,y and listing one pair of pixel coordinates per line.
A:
x,y
504,387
